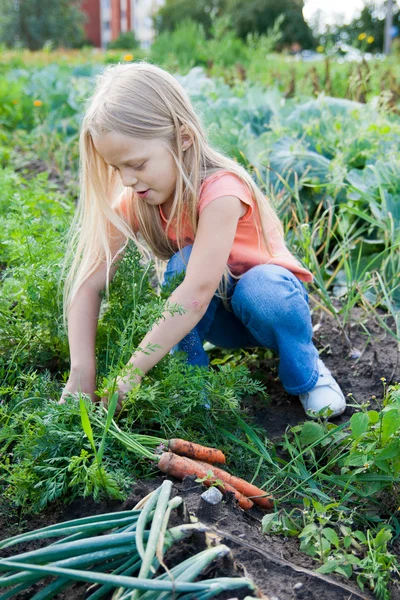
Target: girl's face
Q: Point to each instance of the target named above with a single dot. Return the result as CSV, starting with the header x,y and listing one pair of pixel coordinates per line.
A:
x,y
142,165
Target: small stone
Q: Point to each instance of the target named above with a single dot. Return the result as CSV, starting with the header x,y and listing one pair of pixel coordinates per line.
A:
x,y
210,505
212,496
298,586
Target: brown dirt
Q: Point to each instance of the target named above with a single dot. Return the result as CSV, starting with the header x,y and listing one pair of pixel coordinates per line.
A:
x,y
360,377
276,566
275,563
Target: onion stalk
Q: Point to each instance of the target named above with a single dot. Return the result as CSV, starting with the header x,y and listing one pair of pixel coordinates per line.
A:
x,y
121,551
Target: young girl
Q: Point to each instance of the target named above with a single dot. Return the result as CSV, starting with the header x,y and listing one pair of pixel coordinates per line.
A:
x,y
146,166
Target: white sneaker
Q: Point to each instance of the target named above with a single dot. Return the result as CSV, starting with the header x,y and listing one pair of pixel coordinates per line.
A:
x,y
326,393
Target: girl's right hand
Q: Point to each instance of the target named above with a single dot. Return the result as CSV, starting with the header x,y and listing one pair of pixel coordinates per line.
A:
x,y
79,382
124,386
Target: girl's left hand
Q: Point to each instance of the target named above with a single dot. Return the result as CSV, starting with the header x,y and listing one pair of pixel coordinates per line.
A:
x,y
124,386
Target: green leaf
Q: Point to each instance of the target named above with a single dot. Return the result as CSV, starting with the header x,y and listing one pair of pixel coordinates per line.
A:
x,y
390,424
382,538
222,361
359,424
356,460
396,465
328,567
360,536
311,528
326,546
391,450
268,521
360,582
346,570
87,428
331,535
318,507
110,415
384,466
373,416
310,433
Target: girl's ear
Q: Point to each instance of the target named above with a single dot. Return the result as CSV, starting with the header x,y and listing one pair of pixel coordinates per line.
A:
x,y
186,140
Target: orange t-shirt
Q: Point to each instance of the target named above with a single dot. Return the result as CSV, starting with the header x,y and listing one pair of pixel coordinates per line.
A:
x,y
246,251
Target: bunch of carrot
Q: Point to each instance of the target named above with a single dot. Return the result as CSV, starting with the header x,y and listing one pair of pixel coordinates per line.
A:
x,y
186,458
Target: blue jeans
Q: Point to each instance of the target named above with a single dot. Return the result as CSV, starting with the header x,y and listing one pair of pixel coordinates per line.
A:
x,y
269,309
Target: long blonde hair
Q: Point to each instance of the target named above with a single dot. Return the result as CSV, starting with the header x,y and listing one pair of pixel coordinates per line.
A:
x,y
144,101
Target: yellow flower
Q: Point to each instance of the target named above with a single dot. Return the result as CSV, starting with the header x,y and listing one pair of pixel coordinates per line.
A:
x,y
362,36
37,103
128,57
383,378
320,48
370,39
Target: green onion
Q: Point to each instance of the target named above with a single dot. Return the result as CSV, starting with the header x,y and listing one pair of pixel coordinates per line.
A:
x,y
52,553
162,503
189,569
126,569
174,503
38,533
221,584
143,518
129,550
82,560
133,583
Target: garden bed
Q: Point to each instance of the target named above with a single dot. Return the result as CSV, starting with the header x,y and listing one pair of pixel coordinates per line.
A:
x,y
275,563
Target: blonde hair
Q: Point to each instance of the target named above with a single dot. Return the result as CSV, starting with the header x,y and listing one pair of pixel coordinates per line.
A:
x,y
117,105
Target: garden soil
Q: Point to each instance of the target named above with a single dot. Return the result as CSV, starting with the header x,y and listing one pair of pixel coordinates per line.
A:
x,y
276,564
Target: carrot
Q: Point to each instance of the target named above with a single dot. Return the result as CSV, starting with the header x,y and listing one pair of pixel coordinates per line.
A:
x,y
181,466
191,450
248,489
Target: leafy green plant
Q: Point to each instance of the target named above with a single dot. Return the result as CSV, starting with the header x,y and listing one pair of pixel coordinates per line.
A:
x,y
346,477
125,41
45,455
346,551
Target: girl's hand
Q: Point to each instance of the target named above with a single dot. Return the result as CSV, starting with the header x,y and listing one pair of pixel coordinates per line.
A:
x,y
79,382
124,386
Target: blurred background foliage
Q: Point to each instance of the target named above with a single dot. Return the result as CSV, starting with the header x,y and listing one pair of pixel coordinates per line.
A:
x,y
35,24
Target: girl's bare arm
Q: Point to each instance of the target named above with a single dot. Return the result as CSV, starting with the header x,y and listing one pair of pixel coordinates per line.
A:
x,y
211,249
82,327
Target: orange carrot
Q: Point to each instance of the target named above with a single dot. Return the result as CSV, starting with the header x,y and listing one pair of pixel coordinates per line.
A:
x,y
191,450
247,489
181,466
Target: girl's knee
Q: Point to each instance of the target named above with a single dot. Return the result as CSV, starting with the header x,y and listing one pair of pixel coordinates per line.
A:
x,y
270,289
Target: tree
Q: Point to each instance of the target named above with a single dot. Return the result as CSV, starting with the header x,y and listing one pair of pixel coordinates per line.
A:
x,y
201,11
247,16
365,31
31,23
257,16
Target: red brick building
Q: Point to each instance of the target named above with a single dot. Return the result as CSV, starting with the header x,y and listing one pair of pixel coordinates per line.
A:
x,y
106,20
